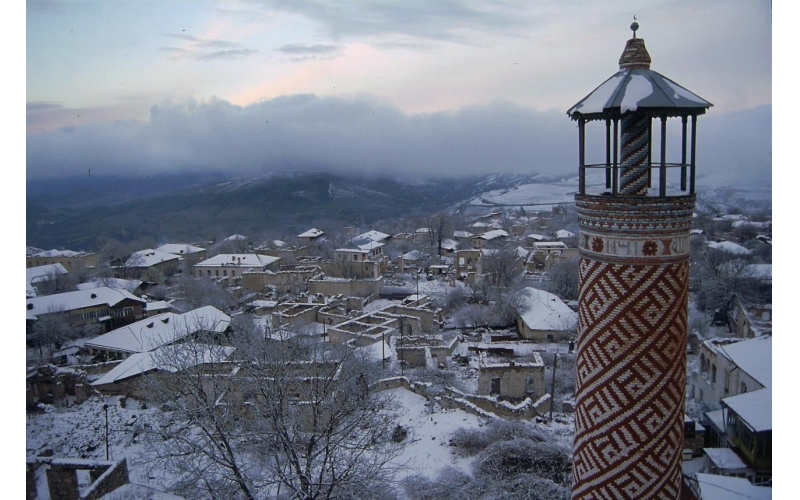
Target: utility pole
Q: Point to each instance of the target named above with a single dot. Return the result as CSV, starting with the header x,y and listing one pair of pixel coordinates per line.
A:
x,y
105,407
553,385
402,354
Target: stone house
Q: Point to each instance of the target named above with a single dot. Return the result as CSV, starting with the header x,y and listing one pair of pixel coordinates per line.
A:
x,y
231,266
101,309
510,379
159,330
543,316
546,254
70,259
729,367
140,262
183,250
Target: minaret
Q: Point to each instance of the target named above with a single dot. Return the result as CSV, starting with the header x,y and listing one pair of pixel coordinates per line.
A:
x,y
634,269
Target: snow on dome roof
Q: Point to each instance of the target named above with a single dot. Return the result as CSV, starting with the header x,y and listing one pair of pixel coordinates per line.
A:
x,y
635,86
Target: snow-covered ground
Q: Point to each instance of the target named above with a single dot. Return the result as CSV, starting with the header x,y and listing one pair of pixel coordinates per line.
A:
x,y
79,431
429,433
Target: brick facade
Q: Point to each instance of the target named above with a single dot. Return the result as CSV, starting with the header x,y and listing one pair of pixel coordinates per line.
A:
x,y
631,363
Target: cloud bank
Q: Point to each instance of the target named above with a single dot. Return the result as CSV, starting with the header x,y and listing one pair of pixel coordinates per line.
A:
x,y
306,132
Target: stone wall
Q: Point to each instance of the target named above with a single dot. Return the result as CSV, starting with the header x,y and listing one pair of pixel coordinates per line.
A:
x,y
62,477
347,288
526,410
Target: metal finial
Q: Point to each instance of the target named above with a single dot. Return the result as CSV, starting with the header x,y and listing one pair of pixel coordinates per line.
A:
x,y
634,26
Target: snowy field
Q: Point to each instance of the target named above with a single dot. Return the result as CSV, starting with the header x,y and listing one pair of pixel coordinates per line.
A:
x,y
536,196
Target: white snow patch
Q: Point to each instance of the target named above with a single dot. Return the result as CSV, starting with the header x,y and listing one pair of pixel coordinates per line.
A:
x,y
637,89
597,100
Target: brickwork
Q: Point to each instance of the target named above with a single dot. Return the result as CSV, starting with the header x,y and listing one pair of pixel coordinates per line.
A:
x,y
635,153
632,346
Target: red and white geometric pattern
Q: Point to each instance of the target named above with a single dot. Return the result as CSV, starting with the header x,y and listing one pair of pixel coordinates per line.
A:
x,y
631,379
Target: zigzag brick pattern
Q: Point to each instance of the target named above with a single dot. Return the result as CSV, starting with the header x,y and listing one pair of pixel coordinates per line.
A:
x,y
635,150
630,382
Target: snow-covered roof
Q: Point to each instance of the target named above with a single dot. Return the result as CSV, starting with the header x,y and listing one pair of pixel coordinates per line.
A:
x,y
60,253
755,408
563,233
714,487
236,237
263,303
80,299
754,357
730,247
716,418
462,234
238,260
521,252
413,255
149,257
537,237
363,245
31,251
187,355
449,244
730,217
759,225
490,235
157,305
372,235
724,458
631,89
542,310
278,243
311,233
155,331
119,283
41,273
549,245
179,248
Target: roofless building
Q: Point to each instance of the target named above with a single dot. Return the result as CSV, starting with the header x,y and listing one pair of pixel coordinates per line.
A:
x,y
634,220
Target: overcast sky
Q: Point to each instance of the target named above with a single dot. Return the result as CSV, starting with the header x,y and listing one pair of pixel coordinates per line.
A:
x,y
390,86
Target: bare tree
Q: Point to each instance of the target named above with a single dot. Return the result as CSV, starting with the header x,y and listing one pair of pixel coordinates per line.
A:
x,y
51,329
198,292
285,418
564,279
502,269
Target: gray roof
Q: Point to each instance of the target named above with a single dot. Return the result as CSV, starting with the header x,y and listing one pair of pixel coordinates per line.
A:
x,y
634,89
